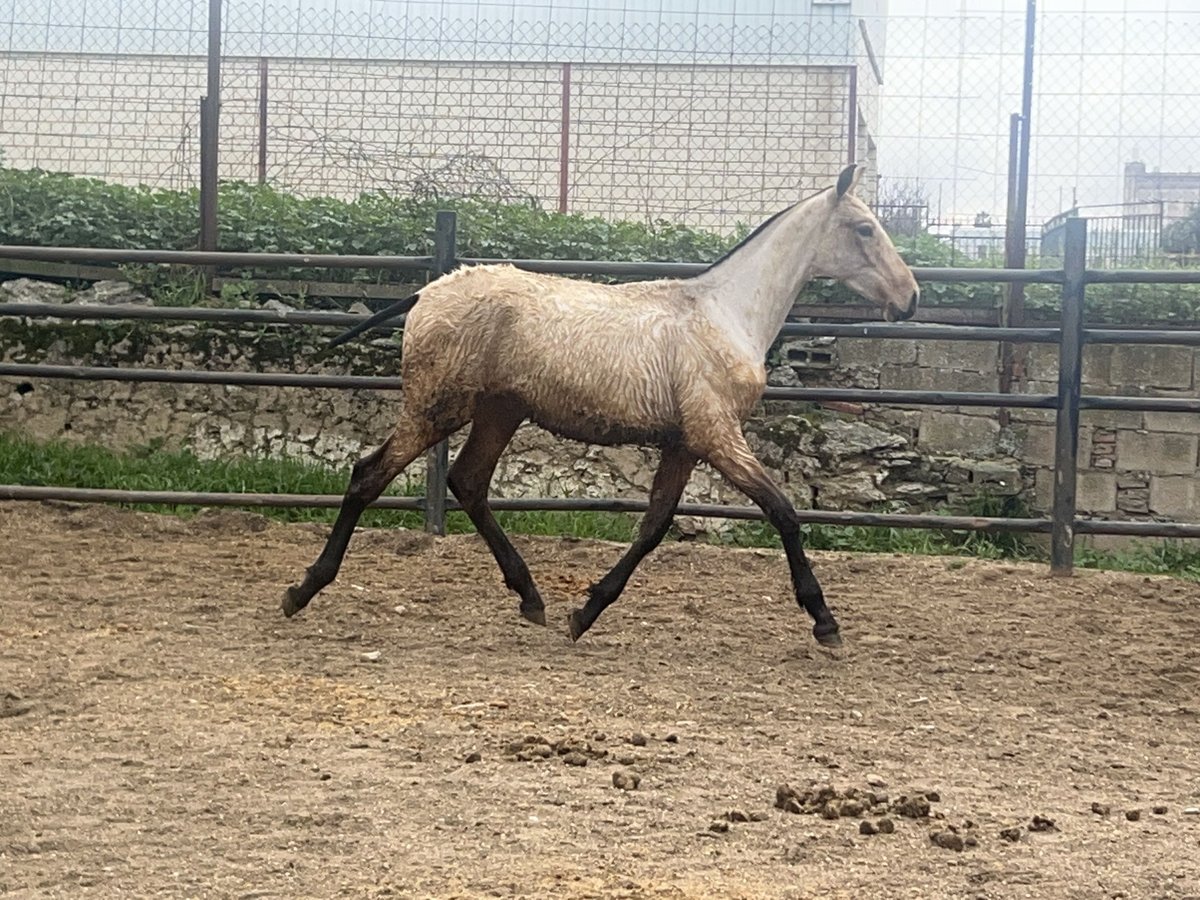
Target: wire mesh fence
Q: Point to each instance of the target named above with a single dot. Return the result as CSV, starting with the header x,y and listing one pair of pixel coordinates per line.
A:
x,y
711,115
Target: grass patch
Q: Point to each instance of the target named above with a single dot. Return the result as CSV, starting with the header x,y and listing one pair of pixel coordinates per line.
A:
x,y
28,462
151,468
1170,557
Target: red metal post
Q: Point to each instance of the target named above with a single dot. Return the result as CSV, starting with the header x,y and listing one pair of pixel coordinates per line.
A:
x,y
263,80
564,150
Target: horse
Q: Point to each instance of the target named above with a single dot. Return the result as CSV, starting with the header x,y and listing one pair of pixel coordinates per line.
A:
x,y
676,363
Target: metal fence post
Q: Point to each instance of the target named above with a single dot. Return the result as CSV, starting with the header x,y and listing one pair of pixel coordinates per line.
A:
x,y
1070,376
210,114
437,460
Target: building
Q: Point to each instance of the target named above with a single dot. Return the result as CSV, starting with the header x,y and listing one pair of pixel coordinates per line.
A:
x,y
712,118
1177,193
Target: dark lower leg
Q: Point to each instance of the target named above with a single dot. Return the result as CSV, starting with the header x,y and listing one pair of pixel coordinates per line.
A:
x,y
368,479
738,465
512,566
669,482
808,590
469,479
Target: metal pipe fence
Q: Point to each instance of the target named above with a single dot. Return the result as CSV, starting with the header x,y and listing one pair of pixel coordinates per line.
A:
x,y
1063,524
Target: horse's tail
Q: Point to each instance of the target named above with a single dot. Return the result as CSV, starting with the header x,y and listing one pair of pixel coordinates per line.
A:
x,y
393,311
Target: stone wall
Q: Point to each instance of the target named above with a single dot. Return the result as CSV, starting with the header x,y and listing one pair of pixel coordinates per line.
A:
x,y
1132,465
820,458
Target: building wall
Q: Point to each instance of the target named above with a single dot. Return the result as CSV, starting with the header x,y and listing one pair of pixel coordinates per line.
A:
x,y
1179,191
704,144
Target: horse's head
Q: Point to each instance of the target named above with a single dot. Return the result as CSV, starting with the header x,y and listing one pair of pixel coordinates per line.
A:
x,y
857,252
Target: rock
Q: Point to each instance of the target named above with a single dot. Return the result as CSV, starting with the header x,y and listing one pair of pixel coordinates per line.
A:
x,y
626,759
885,826
27,290
371,656
672,739
830,811
947,840
915,807
575,759
844,439
1191,811
1159,810
626,781
932,796
736,815
112,293
542,751
638,740
359,308
1012,835
474,757
783,793
277,305
1101,809
876,782
1041,823
1133,814
851,809
758,816
719,827
867,827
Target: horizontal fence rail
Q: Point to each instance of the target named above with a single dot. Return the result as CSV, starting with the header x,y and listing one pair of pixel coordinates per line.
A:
x,y
519,504
1069,402
215,258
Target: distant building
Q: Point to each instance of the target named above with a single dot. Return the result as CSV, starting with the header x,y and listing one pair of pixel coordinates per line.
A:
x,y
1132,231
1177,192
707,113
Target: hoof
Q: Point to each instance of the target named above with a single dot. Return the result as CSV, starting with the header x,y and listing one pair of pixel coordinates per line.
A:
x,y
535,614
827,638
575,625
293,602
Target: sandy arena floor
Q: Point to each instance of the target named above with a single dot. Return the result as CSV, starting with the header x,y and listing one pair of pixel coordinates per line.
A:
x,y
164,731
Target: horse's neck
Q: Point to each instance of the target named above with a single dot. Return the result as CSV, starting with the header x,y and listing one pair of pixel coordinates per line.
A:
x,y
750,292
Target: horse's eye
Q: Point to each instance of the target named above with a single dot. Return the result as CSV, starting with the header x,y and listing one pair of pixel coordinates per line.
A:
x,y
865,230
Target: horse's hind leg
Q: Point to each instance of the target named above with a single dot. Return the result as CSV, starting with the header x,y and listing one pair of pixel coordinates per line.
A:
x,y
669,481
371,474
493,427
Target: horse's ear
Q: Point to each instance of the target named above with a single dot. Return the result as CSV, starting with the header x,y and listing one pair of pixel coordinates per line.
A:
x,y
848,180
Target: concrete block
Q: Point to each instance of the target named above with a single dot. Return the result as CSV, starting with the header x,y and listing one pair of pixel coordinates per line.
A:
x,y
1157,453
1042,416
1151,366
1177,423
1095,492
921,378
1175,496
1036,446
967,356
1041,363
862,352
1112,418
1097,364
955,433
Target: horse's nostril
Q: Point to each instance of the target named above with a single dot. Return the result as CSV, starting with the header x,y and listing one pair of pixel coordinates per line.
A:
x,y
905,314
914,300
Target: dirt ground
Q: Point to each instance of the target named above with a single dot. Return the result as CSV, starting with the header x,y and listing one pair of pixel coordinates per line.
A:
x,y
165,731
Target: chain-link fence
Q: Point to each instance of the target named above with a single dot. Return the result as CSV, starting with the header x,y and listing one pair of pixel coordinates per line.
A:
x,y
700,113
